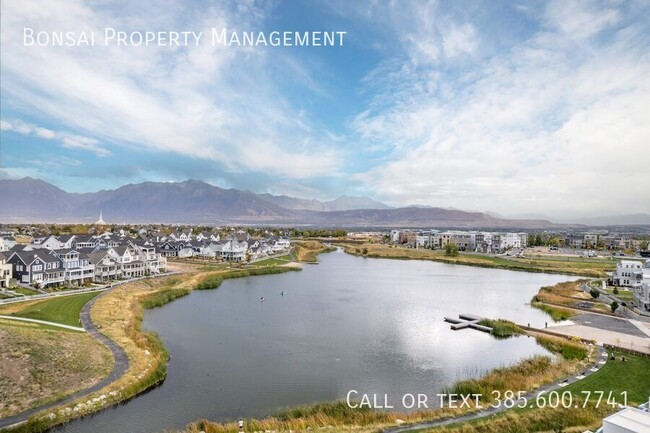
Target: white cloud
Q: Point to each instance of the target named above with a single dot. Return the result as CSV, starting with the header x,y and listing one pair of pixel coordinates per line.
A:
x,y
203,102
550,126
67,140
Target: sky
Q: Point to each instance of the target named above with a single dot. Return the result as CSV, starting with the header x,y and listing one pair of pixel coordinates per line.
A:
x,y
518,108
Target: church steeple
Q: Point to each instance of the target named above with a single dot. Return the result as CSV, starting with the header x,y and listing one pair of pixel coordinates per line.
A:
x,y
100,221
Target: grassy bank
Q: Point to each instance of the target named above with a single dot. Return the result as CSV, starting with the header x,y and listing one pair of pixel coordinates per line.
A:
x,y
308,251
616,376
595,268
214,279
562,300
158,299
39,365
65,310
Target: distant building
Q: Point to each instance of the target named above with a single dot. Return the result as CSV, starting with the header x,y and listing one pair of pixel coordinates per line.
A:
x,y
628,273
100,221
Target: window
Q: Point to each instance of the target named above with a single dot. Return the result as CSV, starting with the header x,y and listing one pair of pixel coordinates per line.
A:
x,y
38,267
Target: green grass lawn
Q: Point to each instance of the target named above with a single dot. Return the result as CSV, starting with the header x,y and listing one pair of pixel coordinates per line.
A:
x,y
632,376
65,310
276,261
625,295
24,291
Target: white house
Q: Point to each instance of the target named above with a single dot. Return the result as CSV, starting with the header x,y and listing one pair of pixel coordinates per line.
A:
x,y
5,272
628,273
50,243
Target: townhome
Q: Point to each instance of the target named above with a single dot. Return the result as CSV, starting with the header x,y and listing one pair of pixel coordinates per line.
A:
x,y
130,264
154,263
5,271
106,266
77,266
628,273
37,268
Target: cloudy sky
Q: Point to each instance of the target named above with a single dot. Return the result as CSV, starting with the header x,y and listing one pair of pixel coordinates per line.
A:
x,y
506,106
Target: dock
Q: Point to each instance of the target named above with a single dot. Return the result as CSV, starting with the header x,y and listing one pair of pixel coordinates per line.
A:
x,y
467,321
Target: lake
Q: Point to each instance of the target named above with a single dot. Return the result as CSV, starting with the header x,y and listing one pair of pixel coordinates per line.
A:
x,y
349,323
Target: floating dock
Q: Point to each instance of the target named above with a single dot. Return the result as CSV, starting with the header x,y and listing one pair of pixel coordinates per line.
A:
x,y
467,321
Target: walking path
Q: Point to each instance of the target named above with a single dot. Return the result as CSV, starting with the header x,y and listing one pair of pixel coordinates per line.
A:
x,y
120,365
490,411
42,322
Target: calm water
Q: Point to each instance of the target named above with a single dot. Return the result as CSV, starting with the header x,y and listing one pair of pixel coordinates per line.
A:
x,y
372,325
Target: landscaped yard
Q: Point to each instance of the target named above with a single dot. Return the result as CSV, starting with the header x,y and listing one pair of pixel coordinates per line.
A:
x,y
275,261
24,291
64,309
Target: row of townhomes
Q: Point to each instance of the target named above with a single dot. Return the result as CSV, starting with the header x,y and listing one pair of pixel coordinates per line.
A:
x,y
74,260
487,242
236,247
634,275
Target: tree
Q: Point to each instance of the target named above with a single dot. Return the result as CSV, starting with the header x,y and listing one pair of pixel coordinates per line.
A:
x,y
538,240
614,306
594,293
451,249
615,290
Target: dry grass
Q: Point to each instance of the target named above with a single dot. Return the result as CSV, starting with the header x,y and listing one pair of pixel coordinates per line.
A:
x,y
567,294
337,416
39,365
588,268
308,251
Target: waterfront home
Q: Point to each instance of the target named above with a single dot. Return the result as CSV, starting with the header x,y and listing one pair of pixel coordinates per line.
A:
x,y
154,263
230,250
130,264
628,273
106,266
77,266
37,268
67,242
5,271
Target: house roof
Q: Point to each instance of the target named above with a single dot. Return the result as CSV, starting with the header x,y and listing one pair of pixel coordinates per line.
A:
x,y
28,257
120,250
97,256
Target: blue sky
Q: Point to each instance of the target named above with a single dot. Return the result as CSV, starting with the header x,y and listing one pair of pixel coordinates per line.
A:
x,y
511,107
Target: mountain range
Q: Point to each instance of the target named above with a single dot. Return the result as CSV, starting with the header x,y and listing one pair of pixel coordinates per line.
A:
x,y
195,202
